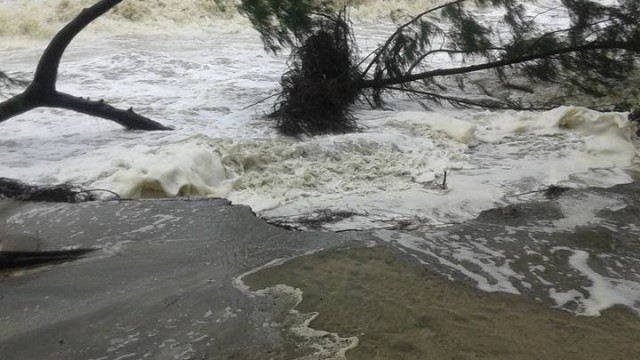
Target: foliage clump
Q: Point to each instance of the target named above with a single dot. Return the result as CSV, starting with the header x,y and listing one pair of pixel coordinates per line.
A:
x,y
321,84
283,23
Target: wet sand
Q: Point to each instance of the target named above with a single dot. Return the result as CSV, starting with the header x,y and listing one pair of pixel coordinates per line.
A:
x,y
398,310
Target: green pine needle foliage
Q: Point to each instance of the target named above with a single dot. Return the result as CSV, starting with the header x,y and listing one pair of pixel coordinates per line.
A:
x,y
320,86
590,57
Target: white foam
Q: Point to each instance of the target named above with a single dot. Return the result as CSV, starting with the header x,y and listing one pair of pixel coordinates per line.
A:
x,y
325,345
569,145
458,130
492,277
179,169
603,293
583,211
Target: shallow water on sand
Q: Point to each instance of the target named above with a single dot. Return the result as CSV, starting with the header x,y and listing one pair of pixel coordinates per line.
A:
x,y
400,311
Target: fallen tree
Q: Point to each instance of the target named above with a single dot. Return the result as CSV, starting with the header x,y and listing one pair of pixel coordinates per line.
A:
x,y
42,92
597,51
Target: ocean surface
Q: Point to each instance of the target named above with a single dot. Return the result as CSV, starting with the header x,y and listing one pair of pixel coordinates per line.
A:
x,y
202,70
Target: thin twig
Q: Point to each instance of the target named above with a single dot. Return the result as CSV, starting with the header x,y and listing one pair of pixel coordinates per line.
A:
x,y
89,191
260,101
486,104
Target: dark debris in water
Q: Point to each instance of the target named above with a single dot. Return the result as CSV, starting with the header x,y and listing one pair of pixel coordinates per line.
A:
x,y
506,212
553,192
7,83
62,193
312,221
520,214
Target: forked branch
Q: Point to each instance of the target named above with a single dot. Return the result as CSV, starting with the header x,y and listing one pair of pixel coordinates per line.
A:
x,y
42,90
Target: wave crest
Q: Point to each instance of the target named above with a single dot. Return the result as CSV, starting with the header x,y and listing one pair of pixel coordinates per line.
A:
x,y
42,18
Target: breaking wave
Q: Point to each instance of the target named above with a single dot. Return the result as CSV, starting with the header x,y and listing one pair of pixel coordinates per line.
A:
x,y
40,19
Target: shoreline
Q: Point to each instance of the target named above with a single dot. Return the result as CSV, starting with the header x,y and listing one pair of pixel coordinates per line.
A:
x,y
163,278
398,309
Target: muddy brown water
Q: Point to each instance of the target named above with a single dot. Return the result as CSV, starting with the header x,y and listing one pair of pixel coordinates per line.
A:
x,y
401,311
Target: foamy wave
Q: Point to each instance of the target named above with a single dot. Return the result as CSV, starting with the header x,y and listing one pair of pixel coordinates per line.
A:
x,y
607,136
187,168
402,158
42,18
325,345
35,18
370,10
253,172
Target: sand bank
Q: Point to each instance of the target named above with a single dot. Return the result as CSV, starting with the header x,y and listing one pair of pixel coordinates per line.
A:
x,y
400,311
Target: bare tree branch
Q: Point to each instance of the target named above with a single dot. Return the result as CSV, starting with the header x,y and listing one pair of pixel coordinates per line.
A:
x,y
42,90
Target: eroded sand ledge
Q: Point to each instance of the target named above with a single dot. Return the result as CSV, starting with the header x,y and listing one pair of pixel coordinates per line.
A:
x,y
158,286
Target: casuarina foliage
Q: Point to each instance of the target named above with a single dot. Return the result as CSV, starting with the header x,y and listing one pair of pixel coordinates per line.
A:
x,y
588,58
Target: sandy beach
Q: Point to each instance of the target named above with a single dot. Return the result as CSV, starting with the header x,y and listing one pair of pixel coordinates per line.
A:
x,y
402,311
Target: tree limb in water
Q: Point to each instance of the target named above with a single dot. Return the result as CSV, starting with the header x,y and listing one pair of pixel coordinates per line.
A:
x,y
42,90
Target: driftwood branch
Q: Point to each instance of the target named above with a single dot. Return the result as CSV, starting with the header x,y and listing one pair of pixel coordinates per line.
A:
x,y
42,90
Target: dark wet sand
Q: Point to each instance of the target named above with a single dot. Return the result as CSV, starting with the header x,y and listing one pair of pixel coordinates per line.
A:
x,y
400,311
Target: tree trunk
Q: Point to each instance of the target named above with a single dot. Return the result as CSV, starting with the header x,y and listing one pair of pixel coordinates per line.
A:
x,y
42,90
